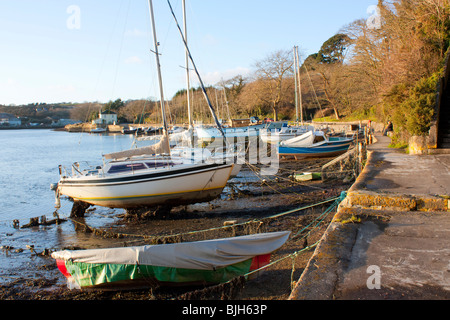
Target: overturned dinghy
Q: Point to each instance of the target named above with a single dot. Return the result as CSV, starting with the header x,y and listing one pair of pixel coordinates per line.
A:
x,y
203,262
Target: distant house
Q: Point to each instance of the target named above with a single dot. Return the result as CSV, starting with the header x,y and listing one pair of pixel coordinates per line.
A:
x,y
106,117
7,119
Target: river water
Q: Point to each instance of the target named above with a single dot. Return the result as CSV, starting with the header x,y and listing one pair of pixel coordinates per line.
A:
x,y
29,161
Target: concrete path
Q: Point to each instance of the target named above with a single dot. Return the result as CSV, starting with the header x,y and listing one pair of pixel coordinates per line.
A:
x,y
399,246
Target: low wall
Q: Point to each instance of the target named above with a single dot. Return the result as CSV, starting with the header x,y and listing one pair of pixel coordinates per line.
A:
x,y
348,126
423,145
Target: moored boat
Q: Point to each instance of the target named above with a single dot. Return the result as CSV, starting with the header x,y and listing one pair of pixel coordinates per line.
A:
x,y
147,181
203,262
147,176
98,130
286,132
314,144
211,134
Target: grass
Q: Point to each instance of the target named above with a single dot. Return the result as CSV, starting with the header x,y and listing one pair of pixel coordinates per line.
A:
x,y
399,145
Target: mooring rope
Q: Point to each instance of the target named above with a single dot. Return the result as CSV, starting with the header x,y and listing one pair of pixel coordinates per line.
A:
x,y
324,215
259,220
241,279
253,169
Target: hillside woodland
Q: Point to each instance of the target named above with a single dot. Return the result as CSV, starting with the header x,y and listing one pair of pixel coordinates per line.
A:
x,y
383,68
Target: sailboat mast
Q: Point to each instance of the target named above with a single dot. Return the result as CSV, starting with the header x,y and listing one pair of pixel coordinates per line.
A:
x,y
299,87
296,86
226,101
158,67
205,94
187,68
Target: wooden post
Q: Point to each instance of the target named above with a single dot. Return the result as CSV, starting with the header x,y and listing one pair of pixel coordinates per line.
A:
x,y
78,209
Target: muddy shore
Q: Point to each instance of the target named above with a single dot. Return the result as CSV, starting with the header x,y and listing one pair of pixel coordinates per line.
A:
x,y
243,200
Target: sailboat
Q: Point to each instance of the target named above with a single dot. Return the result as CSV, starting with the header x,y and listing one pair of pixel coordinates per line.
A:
x,y
288,132
226,152
147,176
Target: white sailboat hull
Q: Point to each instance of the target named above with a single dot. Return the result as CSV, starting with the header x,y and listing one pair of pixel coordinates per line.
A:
x,y
176,186
284,134
210,134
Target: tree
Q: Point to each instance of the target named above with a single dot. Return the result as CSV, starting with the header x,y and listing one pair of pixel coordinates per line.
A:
x,y
328,63
113,106
272,73
83,111
334,49
135,111
398,58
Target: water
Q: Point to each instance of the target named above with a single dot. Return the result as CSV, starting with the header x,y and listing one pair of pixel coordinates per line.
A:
x,y
29,161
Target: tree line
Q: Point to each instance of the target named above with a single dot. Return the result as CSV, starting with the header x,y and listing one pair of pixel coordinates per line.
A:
x,y
392,65
384,68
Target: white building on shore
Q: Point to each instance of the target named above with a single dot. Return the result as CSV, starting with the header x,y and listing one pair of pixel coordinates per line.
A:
x,y
106,117
7,119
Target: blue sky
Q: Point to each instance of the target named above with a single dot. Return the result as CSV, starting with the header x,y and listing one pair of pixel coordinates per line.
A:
x,y
99,50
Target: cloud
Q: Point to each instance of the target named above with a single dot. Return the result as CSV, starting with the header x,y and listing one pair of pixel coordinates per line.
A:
x,y
217,76
133,60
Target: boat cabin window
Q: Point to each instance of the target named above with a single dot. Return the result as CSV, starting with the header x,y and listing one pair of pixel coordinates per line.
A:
x,y
159,164
126,167
318,139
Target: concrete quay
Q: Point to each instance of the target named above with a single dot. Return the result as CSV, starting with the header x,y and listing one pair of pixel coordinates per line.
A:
x,y
390,238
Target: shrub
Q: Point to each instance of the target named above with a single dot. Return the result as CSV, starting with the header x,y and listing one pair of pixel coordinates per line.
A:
x,y
419,107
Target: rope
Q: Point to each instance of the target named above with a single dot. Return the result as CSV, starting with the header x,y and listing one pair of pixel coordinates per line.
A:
x,y
279,177
253,221
177,237
294,255
162,238
233,286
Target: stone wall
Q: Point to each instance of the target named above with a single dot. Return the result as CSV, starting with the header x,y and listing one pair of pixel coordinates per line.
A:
x,y
347,166
429,144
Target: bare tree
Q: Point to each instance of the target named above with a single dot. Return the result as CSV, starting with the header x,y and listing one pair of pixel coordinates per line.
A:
x,y
82,111
136,110
271,73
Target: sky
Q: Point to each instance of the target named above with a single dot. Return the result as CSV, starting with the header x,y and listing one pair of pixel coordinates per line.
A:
x,y
100,50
